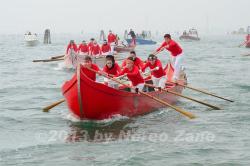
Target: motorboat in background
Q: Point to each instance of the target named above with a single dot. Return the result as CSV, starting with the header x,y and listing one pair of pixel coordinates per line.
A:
x,y
31,39
191,35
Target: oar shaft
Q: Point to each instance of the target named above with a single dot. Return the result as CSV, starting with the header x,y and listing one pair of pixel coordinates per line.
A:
x,y
56,57
47,60
186,97
205,92
46,109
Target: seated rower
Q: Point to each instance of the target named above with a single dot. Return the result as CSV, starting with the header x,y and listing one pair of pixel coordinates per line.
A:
x,y
95,50
133,74
112,69
159,77
137,61
87,63
105,48
83,48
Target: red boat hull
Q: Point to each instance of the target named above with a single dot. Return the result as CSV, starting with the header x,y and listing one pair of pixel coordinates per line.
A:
x,y
87,99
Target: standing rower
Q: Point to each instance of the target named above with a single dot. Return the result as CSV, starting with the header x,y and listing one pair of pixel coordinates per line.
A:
x,y
71,55
111,40
133,36
176,54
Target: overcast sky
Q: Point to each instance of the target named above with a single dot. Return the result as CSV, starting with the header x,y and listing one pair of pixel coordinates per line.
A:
x,y
73,16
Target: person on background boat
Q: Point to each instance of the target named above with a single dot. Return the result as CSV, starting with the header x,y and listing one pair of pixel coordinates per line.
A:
x,y
159,77
132,72
176,54
137,61
95,50
71,55
87,63
105,48
111,40
112,69
133,36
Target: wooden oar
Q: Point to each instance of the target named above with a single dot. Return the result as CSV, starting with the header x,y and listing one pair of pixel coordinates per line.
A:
x,y
47,60
186,97
56,57
246,54
202,91
188,114
46,109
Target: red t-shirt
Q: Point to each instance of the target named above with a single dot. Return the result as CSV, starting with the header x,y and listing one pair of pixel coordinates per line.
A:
x,y
83,48
71,46
157,73
248,38
114,71
134,75
90,44
174,47
111,38
138,62
88,73
105,48
95,50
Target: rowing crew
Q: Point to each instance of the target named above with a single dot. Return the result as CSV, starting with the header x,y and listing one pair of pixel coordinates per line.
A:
x,y
133,67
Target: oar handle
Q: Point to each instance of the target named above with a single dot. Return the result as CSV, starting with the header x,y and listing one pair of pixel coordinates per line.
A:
x,y
56,57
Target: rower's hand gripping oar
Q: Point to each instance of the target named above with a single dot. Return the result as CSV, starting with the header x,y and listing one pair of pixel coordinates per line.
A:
x,y
188,114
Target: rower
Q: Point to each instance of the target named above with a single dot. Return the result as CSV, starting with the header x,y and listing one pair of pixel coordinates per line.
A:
x,y
176,54
95,50
87,63
71,55
112,69
137,61
131,71
158,75
133,36
111,40
105,48
83,48
91,42
71,47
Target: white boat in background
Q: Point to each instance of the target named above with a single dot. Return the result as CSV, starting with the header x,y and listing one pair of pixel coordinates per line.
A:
x,y
31,39
191,35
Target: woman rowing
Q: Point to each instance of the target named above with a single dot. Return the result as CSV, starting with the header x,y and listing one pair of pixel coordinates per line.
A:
x,y
87,63
137,61
71,55
158,75
131,71
105,48
112,69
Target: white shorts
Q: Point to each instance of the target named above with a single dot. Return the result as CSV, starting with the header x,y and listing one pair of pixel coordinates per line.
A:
x,y
159,82
178,63
139,86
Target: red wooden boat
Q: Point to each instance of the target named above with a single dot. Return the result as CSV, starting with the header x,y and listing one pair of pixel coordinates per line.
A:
x,y
87,99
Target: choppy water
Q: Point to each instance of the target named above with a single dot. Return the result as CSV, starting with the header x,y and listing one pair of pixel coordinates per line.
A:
x,y
217,137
